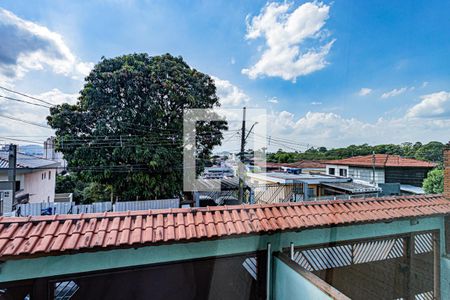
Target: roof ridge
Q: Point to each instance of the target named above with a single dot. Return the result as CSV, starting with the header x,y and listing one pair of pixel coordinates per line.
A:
x,y
174,211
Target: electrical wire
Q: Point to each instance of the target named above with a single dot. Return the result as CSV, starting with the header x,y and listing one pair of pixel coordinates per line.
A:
x,y
23,101
24,121
25,95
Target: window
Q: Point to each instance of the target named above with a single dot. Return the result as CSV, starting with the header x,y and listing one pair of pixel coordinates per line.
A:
x,y
331,171
65,290
49,175
343,172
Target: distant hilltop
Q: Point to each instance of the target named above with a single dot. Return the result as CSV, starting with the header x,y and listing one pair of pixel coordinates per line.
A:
x,y
36,150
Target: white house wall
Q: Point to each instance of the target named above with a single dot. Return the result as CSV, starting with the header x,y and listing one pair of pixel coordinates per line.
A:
x,y
41,189
337,169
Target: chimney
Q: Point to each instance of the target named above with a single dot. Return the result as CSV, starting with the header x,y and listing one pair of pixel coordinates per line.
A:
x,y
447,172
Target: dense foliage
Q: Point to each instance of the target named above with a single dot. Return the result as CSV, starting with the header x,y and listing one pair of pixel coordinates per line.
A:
x,y
429,152
83,192
434,183
126,130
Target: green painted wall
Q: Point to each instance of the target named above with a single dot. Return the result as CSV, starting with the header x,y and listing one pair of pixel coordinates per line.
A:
x,y
445,266
445,278
288,284
85,262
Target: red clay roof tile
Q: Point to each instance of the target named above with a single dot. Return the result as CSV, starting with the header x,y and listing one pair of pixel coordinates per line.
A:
x,y
381,161
51,235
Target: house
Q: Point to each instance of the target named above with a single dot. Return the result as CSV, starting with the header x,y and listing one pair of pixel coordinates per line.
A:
x,y
50,153
382,169
218,172
301,166
378,248
35,177
308,166
267,166
281,187
207,193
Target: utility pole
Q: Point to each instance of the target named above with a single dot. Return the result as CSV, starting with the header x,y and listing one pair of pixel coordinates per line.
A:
x,y
373,168
12,158
241,164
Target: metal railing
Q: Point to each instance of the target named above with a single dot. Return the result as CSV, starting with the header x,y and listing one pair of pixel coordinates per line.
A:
x,y
276,193
54,208
344,197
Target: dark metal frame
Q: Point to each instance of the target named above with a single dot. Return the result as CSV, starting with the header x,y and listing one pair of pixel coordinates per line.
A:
x,y
409,251
43,288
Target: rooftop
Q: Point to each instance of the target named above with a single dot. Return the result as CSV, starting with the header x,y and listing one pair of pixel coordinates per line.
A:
x,y
288,178
353,187
381,161
306,164
66,234
301,164
25,161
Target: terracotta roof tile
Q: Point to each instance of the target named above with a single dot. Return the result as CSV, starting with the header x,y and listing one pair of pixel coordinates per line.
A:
x,y
220,227
147,229
190,229
381,161
51,235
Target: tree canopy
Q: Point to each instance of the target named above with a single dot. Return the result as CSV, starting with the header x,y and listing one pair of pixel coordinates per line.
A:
x,y
434,183
126,130
429,152
82,192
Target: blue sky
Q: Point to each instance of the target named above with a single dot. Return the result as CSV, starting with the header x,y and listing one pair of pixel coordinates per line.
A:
x,y
329,73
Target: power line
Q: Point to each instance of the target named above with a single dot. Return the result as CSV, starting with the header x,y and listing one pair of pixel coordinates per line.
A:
x,y
20,140
283,140
24,101
25,95
111,168
278,143
23,121
117,143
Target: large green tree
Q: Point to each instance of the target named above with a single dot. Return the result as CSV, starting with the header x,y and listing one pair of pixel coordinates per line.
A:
x,y
126,130
431,152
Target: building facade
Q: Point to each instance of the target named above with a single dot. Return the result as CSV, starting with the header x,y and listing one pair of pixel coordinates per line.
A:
x,y
35,177
381,168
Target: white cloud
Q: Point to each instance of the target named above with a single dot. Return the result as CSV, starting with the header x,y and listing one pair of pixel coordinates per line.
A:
x,y
229,94
28,46
30,113
316,103
394,93
55,96
294,40
364,91
433,105
273,100
333,130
